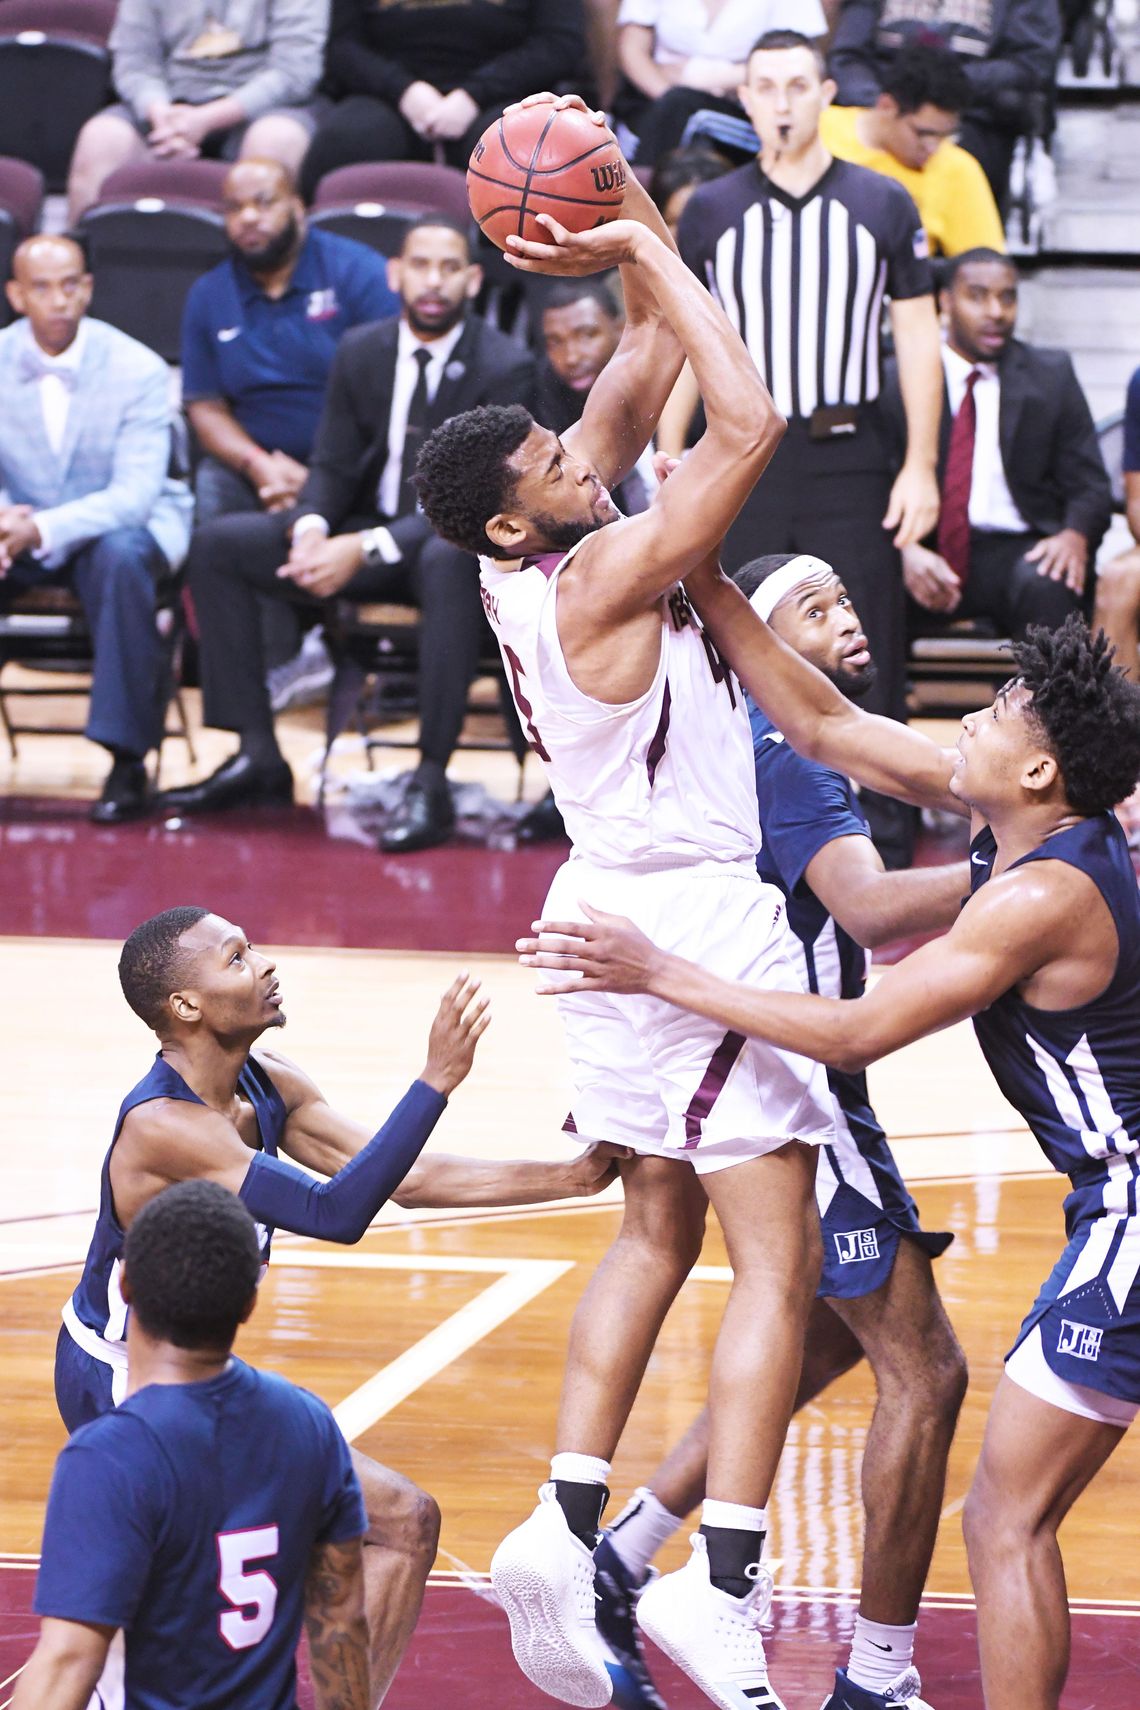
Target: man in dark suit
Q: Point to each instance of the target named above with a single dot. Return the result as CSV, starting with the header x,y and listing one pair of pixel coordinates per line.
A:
x,y
1025,495
356,532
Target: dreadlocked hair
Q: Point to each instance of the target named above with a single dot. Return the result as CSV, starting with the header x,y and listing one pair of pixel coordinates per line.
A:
x,y
1087,709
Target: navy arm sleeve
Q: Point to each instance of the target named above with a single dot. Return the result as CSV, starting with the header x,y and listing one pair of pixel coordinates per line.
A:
x,y
341,1209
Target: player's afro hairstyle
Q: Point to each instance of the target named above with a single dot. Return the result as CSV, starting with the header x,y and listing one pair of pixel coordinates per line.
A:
x,y
1087,710
192,1263
462,477
152,961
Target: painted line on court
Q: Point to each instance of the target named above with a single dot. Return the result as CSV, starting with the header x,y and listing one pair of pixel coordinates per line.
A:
x,y
519,1282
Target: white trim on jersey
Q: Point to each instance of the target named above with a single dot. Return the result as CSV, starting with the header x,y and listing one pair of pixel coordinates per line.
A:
x,y
113,1354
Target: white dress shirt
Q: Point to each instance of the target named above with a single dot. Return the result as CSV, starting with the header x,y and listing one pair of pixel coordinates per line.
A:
x,y
55,405
992,509
403,385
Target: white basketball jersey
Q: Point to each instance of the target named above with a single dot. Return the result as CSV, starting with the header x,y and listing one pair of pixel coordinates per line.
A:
x,y
667,778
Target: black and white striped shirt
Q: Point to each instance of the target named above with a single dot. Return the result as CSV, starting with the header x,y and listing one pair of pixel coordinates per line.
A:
x,y
802,279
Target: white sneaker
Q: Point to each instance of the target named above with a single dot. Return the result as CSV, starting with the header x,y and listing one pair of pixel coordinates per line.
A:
x,y
715,1638
544,1577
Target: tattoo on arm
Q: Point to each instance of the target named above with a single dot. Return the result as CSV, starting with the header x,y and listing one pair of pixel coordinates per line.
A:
x,y
337,1630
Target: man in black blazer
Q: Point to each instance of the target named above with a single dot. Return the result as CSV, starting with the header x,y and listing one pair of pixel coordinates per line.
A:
x,y
1025,495
356,532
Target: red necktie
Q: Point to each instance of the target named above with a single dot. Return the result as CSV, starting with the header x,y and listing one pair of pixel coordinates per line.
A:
x,y
954,517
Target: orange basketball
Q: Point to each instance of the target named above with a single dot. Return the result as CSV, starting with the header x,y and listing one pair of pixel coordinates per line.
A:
x,y
544,160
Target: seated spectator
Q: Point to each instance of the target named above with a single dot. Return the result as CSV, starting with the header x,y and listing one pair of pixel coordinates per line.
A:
x,y
193,85
259,333
85,446
909,134
356,532
677,175
1117,607
680,58
412,87
1025,494
1008,50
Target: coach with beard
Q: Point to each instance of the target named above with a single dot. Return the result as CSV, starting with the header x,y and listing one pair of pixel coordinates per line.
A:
x,y
355,532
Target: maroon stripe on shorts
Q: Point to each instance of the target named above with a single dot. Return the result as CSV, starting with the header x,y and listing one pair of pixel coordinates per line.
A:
x,y
569,1126
710,1089
656,751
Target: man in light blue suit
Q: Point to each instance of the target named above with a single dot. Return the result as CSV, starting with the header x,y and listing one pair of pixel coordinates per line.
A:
x,y
86,498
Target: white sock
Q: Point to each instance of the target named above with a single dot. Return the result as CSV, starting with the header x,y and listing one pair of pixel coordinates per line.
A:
x,y
639,1531
879,1653
580,1469
733,1515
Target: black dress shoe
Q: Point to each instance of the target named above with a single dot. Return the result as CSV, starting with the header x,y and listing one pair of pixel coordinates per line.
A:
x,y
543,824
425,817
126,794
239,782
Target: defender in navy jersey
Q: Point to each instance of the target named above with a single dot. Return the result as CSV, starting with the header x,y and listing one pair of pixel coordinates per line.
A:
x,y
877,1294
218,1105
1045,957
207,1514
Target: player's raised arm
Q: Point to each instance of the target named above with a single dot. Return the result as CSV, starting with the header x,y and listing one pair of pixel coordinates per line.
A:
x,y
632,563
165,1141
818,721
1003,935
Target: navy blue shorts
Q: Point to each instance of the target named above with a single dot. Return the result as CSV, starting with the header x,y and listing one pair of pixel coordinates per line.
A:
x,y
861,1233
1089,1308
82,1383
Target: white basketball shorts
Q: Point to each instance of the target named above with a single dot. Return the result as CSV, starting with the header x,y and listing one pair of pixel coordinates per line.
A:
x,y
661,1080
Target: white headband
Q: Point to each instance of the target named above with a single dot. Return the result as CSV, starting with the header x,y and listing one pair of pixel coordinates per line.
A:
x,y
785,580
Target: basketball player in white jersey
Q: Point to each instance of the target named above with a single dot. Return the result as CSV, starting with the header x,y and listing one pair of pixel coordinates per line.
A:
x,y
648,751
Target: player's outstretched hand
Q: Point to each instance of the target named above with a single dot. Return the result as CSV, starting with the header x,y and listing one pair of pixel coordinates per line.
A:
x,y
575,254
606,953
460,1020
599,1165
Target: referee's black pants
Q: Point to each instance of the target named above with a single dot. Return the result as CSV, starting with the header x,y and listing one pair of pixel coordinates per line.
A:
x,y
828,498
234,560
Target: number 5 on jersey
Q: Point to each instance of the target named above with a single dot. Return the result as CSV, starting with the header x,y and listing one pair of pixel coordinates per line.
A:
x,y
253,1595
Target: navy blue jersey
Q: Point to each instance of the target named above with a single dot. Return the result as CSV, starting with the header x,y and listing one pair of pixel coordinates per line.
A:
x,y
96,1314
864,1204
1074,1075
188,1517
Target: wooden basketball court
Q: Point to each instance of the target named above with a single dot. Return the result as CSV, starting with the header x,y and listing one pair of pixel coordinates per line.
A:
x,y
440,1340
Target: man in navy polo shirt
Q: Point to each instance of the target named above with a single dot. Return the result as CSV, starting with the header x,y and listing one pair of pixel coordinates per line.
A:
x,y
258,337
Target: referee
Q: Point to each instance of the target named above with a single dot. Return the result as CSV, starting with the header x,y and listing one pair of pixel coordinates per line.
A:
x,y
801,250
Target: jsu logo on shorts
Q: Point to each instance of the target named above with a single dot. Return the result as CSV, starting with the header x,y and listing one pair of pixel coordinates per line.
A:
x,y
1082,1341
856,1246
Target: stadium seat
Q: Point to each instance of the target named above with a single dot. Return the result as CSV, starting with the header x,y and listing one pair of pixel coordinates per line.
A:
x,y
373,203
156,227
21,199
55,72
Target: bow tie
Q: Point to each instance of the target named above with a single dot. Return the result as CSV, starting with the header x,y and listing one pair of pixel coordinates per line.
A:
x,y
34,367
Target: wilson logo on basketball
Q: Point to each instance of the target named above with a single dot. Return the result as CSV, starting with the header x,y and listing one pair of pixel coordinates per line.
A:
x,y
479,150
609,177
